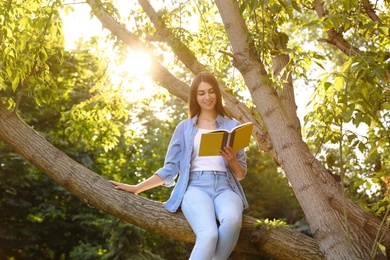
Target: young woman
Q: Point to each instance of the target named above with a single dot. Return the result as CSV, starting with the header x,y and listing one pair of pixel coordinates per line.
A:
x,y
208,189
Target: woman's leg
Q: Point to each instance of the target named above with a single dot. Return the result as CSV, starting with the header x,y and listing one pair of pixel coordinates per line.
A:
x,y
228,207
198,208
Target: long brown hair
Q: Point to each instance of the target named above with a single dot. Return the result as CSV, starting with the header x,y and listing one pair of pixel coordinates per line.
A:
x,y
193,106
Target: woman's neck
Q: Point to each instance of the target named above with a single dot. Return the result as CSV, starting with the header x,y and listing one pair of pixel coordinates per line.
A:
x,y
206,120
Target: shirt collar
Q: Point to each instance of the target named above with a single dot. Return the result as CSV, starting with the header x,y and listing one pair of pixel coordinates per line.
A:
x,y
194,120
219,121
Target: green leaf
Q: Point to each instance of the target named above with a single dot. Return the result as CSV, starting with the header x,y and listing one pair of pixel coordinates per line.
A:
x,y
380,210
339,83
335,20
375,180
347,65
361,147
386,105
330,160
15,83
319,64
347,114
9,71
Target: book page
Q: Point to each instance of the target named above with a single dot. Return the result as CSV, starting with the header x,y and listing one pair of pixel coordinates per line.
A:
x,y
241,137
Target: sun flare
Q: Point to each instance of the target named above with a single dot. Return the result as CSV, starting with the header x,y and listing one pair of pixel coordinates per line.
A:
x,y
132,76
136,64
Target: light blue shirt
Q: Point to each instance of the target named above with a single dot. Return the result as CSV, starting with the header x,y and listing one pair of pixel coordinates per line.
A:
x,y
178,160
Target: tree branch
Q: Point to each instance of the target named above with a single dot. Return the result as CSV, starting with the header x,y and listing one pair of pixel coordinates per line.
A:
x,y
334,38
277,243
184,54
370,11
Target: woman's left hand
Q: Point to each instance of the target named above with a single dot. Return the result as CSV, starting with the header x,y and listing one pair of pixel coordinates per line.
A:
x,y
230,156
228,153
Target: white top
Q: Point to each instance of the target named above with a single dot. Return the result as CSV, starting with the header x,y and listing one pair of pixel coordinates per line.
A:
x,y
205,163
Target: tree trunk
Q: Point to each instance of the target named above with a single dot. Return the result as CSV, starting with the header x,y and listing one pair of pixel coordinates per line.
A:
x,y
337,236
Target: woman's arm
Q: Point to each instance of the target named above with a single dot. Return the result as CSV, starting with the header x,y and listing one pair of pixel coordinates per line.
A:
x,y
166,174
150,183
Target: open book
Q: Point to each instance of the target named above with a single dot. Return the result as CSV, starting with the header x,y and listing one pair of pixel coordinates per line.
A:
x,y
212,142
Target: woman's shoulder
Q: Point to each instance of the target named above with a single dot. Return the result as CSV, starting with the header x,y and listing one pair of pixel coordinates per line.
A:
x,y
230,121
227,123
186,123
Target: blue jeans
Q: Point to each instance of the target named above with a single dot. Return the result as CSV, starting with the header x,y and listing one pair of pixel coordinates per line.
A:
x,y
214,212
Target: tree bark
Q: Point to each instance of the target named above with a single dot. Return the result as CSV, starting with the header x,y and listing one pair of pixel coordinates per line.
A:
x,y
276,243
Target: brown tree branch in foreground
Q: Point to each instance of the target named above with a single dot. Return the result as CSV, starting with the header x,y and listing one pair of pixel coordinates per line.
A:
x,y
277,243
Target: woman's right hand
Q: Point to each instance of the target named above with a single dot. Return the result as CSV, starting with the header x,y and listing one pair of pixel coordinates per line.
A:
x,y
152,182
125,187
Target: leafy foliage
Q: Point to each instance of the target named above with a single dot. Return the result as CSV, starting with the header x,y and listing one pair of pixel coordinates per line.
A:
x,y
31,34
271,223
40,219
70,98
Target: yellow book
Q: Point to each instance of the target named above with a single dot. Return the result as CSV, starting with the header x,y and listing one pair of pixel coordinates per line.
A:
x,y
212,142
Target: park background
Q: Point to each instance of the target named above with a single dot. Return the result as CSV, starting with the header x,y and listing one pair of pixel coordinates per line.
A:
x,y
94,99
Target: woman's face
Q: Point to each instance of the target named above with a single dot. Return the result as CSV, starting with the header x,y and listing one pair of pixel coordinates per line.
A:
x,y
206,97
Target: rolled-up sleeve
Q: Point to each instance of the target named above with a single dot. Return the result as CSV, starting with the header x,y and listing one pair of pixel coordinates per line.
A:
x,y
241,157
240,154
172,159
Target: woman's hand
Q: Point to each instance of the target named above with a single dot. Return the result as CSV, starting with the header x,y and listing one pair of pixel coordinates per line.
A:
x,y
228,153
230,156
125,187
152,182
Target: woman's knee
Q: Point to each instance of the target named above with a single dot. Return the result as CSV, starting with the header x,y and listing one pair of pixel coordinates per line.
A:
x,y
210,236
233,221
